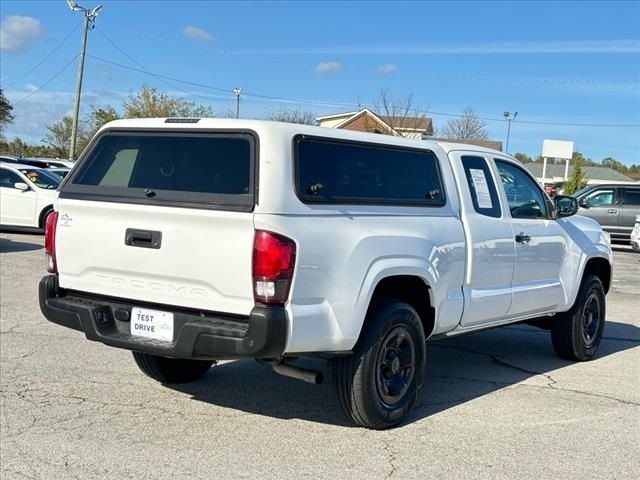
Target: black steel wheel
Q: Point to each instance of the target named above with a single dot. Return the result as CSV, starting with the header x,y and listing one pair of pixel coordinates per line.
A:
x,y
396,365
591,318
576,334
378,384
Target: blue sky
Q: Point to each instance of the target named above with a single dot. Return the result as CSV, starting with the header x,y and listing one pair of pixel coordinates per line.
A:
x,y
555,62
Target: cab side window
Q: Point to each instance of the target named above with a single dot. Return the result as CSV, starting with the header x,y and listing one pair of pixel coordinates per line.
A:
x,y
632,196
483,191
525,197
8,179
601,198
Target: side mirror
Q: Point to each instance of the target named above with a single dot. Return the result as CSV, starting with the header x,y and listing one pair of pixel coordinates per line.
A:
x,y
565,205
584,203
21,186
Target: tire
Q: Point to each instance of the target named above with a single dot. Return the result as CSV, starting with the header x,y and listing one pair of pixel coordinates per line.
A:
x,y
171,370
373,388
576,334
43,217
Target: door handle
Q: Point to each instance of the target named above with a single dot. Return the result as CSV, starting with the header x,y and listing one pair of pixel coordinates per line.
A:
x,y
142,238
523,238
612,210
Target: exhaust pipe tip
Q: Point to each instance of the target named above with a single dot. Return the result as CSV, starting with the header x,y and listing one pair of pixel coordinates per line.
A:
x,y
310,376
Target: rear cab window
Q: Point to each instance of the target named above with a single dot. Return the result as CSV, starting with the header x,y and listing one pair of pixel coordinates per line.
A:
x,y
347,172
195,169
481,185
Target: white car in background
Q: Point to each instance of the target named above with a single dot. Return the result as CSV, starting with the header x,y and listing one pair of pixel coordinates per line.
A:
x,y
27,194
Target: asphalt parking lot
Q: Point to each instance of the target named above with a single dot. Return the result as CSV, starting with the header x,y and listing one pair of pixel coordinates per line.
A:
x,y
496,404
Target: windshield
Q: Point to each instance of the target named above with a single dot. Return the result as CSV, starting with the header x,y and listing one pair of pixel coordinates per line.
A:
x,y
61,172
42,178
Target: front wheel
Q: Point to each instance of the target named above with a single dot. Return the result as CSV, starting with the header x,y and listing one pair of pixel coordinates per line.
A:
x,y
378,384
576,334
171,370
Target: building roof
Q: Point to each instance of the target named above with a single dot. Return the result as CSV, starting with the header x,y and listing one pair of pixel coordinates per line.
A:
x,y
413,123
591,173
416,124
349,120
492,144
337,115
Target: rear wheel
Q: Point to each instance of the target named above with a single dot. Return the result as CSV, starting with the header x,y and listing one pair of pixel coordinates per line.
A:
x,y
378,384
171,370
576,334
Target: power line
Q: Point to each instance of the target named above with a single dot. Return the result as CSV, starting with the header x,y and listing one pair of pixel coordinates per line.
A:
x,y
47,56
138,63
48,81
157,75
228,90
348,105
532,122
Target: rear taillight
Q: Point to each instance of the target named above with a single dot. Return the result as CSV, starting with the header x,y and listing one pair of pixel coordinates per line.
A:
x,y
50,242
274,257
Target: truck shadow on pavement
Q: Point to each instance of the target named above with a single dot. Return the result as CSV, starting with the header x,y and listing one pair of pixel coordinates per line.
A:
x,y
459,370
11,246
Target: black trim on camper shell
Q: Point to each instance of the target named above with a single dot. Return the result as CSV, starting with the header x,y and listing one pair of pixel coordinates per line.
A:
x,y
207,201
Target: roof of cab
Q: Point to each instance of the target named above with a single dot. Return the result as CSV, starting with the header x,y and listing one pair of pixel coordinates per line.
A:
x,y
266,126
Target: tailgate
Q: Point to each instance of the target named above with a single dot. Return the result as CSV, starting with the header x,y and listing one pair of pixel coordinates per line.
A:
x,y
188,243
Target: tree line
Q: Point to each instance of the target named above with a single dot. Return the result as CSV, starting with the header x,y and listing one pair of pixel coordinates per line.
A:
x,y
579,160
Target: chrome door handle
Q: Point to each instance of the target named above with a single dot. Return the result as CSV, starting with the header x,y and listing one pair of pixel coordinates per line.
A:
x,y
612,210
523,238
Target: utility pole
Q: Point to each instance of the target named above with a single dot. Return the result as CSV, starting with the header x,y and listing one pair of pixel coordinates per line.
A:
x,y
508,118
89,22
237,91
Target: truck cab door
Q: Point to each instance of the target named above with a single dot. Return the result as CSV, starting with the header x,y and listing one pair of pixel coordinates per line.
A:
x,y
629,209
541,245
489,240
603,205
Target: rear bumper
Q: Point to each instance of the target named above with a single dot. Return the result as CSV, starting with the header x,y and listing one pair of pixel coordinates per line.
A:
x,y
197,335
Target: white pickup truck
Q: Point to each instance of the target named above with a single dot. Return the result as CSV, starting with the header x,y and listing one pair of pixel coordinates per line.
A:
x,y
187,241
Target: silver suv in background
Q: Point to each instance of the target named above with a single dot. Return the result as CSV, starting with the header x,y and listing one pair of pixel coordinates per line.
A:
x,y
615,207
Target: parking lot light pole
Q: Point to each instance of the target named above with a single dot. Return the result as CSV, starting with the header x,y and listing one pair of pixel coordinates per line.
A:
x,y
508,118
237,91
89,22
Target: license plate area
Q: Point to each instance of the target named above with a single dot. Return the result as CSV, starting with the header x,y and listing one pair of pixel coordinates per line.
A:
x,y
152,324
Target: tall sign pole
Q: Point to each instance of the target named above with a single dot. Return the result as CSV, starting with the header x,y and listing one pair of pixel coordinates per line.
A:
x,y
88,22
